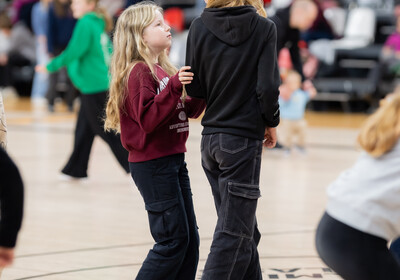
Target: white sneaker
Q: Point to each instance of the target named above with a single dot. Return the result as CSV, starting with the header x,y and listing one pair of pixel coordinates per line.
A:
x,y
67,178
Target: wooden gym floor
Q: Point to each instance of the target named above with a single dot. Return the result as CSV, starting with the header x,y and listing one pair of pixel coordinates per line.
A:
x,y
98,229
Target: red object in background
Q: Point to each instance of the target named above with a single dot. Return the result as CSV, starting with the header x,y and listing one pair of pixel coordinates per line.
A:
x,y
267,2
175,18
284,60
302,44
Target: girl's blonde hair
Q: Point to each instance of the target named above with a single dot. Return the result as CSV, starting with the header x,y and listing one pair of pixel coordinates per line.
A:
x,y
104,14
381,131
258,4
129,49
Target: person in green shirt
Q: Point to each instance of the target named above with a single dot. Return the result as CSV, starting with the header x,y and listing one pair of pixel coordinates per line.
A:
x,y
87,59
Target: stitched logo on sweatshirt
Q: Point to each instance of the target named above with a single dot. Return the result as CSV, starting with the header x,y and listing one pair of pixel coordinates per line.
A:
x,y
182,116
180,127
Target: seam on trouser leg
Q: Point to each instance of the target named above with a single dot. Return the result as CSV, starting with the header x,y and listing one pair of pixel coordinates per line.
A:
x,y
235,258
255,161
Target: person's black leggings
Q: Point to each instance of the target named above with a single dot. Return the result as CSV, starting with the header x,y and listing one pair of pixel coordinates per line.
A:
x,y
353,254
89,124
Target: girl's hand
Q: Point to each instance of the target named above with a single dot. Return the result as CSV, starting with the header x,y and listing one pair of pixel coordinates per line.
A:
x,y
41,69
185,76
270,137
6,256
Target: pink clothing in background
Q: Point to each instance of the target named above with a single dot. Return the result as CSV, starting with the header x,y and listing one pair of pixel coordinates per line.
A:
x,y
393,41
17,4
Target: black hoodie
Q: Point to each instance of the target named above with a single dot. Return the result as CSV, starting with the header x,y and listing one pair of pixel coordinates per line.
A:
x,y
232,52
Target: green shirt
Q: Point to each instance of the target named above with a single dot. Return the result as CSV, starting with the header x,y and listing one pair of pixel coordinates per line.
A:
x,y
87,56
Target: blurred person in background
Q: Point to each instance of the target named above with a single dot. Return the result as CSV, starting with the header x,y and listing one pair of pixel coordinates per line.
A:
x,y
87,59
320,28
61,24
17,55
40,12
290,22
292,103
362,211
388,66
22,10
320,31
5,32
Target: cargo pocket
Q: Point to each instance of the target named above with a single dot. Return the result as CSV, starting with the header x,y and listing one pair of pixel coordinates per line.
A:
x,y
166,220
241,209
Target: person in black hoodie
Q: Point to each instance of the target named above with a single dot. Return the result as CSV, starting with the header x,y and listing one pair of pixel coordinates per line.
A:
x,y
231,49
290,22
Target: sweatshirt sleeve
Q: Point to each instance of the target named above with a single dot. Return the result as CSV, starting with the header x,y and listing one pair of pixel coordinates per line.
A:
x,y
193,89
149,108
194,107
11,201
77,46
268,81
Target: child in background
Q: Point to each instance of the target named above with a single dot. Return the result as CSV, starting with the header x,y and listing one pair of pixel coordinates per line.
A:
x,y
87,58
292,102
362,213
146,105
60,28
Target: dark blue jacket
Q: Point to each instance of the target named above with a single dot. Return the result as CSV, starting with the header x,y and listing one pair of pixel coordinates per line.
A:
x,y
59,32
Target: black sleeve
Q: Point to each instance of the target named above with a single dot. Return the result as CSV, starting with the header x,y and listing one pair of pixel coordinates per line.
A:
x,y
11,201
194,107
193,89
268,81
295,52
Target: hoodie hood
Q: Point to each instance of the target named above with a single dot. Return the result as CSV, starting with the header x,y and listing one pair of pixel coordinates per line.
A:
x,y
232,25
95,19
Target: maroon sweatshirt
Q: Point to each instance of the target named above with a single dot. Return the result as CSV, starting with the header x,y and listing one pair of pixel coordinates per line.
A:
x,y
154,121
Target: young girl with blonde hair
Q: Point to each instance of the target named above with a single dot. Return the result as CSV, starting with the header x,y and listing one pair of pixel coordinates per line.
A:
x,y
87,58
147,107
362,214
231,49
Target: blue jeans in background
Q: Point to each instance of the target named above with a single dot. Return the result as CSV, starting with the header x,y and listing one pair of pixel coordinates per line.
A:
x,y
232,166
40,80
165,187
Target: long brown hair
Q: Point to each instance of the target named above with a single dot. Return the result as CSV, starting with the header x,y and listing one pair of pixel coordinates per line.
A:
x,y
129,49
62,9
381,131
258,4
